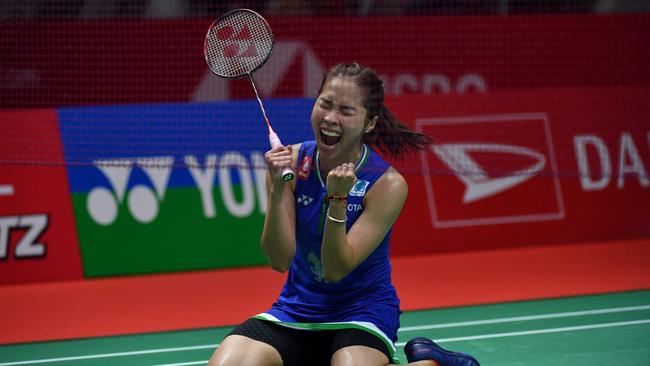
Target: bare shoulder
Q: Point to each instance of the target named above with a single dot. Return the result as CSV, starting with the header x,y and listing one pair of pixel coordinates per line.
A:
x,y
392,179
390,186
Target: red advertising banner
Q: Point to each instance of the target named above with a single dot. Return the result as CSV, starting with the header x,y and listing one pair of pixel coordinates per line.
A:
x,y
506,169
38,237
144,61
539,166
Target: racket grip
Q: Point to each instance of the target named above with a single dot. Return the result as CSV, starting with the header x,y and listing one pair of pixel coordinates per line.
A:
x,y
287,173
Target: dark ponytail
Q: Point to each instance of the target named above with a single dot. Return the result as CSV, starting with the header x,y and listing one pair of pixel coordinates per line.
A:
x,y
390,136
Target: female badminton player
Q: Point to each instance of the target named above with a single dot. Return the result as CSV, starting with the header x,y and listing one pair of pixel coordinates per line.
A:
x,y
330,228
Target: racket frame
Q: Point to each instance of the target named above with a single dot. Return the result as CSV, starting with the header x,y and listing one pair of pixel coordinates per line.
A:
x,y
266,59
274,140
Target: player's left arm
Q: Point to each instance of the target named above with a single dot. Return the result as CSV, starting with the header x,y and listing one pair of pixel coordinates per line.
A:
x,y
341,253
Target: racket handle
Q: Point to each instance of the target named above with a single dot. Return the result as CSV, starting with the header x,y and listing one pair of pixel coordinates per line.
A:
x,y
287,173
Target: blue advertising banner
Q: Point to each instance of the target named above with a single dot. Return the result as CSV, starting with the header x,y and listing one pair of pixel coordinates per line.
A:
x,y
172,187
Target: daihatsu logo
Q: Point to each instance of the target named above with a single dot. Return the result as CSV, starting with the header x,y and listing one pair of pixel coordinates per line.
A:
x,y
477,174
478,184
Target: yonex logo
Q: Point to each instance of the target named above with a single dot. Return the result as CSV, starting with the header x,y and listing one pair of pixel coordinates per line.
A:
x,y
304,199
143,202
475,174
144,199
241,45
286,55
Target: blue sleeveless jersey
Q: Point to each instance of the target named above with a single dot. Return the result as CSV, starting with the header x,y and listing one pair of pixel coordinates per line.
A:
x,y
365,298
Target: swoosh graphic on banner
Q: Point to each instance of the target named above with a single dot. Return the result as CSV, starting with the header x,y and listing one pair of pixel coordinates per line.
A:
x,y
478,185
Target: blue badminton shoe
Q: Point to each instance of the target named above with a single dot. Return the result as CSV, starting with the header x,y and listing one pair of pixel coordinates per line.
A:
x,y
420,349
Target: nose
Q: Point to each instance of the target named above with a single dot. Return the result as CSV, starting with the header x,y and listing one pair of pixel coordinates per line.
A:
x,y
331,117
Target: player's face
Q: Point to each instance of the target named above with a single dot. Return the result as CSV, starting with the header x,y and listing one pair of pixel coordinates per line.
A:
x,y
338,120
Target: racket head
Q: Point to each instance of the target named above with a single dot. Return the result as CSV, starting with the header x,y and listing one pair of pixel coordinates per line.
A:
x,y
238,43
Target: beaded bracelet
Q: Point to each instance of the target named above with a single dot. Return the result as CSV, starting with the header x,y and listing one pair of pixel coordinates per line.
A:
x,y
337,198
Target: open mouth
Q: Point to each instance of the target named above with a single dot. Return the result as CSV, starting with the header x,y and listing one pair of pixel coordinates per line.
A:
x,y
329,138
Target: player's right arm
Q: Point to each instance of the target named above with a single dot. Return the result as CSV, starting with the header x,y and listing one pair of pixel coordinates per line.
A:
x,y
278,241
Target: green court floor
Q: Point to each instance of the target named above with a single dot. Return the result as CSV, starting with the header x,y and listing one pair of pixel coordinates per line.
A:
x,y
608,329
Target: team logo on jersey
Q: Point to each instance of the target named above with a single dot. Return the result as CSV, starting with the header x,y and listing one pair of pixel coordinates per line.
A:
x,y
359,189
305,168
304,199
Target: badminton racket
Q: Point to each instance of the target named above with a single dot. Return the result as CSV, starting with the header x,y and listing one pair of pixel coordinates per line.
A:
x,y
237,44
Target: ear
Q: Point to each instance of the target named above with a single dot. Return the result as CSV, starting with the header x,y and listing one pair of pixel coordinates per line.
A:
x,y
371,124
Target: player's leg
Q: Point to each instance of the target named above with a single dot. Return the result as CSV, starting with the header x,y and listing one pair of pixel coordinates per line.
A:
x,y
254,342
362,355
359,355
237,350
274,344
358,347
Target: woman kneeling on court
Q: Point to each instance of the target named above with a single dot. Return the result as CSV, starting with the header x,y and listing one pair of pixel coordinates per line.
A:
x,y
330,228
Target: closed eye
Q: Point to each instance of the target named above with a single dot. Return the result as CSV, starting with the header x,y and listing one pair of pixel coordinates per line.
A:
x,y
324,103
348,111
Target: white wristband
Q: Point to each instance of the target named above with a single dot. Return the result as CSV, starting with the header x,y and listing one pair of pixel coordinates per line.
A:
x,y
340,221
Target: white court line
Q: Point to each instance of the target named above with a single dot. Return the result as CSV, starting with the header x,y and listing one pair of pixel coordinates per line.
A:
x,y
494,335
498,320
526,318
108,355
539,331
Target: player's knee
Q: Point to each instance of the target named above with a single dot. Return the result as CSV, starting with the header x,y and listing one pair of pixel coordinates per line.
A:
x,y
242,351
358,356
240,358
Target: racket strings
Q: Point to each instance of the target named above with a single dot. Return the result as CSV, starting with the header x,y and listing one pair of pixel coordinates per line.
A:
x,y
238,43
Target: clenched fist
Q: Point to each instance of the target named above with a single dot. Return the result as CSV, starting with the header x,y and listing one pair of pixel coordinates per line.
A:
x,y
277,159
340,180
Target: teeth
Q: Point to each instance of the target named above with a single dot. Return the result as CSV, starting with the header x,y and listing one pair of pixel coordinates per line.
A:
x,y
330,133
